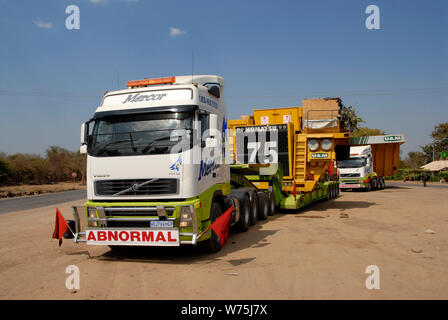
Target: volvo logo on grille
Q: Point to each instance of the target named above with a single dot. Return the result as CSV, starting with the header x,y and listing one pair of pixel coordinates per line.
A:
x,y
135,187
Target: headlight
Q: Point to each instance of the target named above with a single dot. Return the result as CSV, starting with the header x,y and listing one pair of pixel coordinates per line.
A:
x,y
326,144
91,222
186,216
313,144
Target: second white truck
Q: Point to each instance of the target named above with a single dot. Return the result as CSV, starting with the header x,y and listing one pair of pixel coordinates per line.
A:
x,y
371,159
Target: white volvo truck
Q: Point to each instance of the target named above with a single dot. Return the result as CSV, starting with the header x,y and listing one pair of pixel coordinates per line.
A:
x,y
371,159
156,169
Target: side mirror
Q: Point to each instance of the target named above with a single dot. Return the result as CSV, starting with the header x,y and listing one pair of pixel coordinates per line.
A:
x,y
83,149
84,133
214,91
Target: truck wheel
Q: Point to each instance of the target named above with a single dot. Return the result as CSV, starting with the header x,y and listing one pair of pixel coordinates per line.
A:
x,y
213,244
244,222
337,190
271,203
263,209
254,209
383,184
329,193
369,186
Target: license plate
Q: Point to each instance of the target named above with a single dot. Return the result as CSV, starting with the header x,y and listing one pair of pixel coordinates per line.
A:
x,y
162,224
350,186
133,237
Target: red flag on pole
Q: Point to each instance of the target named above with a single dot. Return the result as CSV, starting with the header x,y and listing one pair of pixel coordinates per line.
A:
x,y
60,226
221,225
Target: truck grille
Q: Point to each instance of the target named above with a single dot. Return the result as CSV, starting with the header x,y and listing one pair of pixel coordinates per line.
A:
x,y
349,181
350,175
156,187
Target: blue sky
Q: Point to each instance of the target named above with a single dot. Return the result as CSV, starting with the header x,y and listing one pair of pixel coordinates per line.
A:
x,y
271,54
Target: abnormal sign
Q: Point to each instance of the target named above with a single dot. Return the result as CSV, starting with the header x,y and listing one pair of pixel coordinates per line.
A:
x,y
147,237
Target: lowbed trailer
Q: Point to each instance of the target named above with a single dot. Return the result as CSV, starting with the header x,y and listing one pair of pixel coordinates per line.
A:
x,y
161,167
307,139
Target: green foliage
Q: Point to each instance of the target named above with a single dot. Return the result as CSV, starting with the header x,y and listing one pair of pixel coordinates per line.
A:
x,y
415,160
416,175
365,131
440,142
57,166
349,119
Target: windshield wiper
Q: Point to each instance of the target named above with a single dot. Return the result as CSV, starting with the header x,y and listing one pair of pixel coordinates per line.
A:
x,y
132,142
104,148
153,142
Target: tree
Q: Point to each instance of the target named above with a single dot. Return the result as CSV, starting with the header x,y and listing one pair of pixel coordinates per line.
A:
x,y
349,118
440,142
4,170
365,131
415,159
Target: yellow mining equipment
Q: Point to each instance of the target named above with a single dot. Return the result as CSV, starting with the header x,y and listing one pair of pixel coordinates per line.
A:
x,y
309,140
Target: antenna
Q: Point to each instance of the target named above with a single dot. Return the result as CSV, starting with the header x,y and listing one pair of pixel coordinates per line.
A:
x,y
192,65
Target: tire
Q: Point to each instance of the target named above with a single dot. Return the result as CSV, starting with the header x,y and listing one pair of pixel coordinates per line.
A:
x,y
254,209
369,187
244,222
263,209
213,244
337,190
329,193
383,184
271,203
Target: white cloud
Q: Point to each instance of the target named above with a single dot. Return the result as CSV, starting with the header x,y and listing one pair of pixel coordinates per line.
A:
x,y
176,32
42,24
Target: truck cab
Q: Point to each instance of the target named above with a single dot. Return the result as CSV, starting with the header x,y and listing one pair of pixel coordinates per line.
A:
x,y
357,171
154,161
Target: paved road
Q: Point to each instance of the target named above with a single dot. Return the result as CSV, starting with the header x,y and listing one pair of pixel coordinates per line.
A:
x,y
320,252
34,202
410,185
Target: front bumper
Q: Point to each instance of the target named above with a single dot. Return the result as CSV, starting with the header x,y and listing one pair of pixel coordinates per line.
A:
x,y
352,184
125,219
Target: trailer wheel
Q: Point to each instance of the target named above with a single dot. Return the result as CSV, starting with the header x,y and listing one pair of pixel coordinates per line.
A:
x,y
254,209
271,203
213,244
263,206
383,184
329,193
244,222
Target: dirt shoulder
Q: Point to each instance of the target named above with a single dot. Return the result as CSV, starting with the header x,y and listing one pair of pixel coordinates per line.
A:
x,y
31,190
321,252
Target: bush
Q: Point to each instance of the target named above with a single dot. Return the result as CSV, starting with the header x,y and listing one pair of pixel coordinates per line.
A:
x,y
57,166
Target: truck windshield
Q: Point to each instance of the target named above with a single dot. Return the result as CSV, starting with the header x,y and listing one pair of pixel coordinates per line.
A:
x,y
140,134
352,163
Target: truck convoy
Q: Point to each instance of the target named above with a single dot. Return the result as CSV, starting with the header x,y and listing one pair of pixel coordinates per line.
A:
x,y
371,159
164,162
